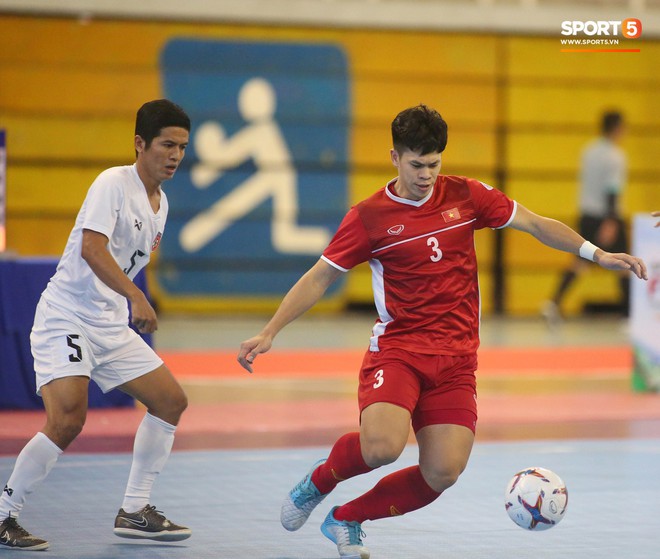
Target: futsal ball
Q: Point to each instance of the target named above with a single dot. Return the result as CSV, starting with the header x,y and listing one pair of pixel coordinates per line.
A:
x,y
536,499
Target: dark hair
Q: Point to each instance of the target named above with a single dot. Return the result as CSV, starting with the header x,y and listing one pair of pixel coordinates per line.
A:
x,y
611,121
420,129
153,116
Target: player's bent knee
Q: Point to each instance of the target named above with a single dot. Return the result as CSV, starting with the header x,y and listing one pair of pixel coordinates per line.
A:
x,y
171,408
180,400
380,453
181,403
63,431
440,479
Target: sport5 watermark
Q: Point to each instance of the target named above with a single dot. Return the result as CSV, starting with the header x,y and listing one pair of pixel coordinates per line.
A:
x,y
599,32
630,28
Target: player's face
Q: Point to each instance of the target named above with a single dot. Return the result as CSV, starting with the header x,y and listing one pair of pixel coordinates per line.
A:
x,y
160,160
417,173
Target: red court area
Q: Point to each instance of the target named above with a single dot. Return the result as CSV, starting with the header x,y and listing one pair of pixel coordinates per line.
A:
x,y
307,397
336,363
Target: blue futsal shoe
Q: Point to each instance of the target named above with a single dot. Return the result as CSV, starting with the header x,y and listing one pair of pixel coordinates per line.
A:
x,y
347,535
300,502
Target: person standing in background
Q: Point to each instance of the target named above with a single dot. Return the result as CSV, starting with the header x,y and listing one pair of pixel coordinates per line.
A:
x,y
603,170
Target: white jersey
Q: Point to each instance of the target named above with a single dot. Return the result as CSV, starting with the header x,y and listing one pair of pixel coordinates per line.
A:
x,y
117,205
603,173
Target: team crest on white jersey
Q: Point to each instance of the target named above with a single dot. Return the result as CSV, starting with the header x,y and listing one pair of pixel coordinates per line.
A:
x,y
156,242
396,229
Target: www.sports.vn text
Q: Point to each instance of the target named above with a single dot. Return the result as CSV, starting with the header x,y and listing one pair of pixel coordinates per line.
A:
x,y
589,41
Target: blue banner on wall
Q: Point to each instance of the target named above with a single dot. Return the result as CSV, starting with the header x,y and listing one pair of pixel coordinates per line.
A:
x,y
264,183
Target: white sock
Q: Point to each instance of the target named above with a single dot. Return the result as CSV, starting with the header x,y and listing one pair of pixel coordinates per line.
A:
x,y
32,466
153,443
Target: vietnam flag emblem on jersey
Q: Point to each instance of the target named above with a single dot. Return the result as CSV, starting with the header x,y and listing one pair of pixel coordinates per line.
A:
x,y
451,215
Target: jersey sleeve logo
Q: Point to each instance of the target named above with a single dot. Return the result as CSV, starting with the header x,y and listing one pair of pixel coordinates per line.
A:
x,y
156,242
451,215
396,229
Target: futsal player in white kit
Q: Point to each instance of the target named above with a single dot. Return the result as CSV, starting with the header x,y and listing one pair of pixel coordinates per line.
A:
x,y
81,331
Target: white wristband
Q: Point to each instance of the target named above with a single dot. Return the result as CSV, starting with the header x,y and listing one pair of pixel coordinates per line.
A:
x,y
587,250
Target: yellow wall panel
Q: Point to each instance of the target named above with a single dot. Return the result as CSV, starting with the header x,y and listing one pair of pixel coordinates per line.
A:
x,y
458,102
100,42
484,240
38,235
70,91
358,285
71,42
364,184
77,138
641,196
469,149
528,289
486,290
524,251
564,104
552,198
413,54
543,151
642,152
370,145
540,57
89,90
38,189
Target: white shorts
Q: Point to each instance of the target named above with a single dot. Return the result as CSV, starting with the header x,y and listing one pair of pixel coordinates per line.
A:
x,y
63,346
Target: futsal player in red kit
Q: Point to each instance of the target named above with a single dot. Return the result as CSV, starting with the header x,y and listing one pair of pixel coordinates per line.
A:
x,y
417,233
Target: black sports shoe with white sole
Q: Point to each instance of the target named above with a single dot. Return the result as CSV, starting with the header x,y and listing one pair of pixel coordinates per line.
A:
x,y
149,523
14,536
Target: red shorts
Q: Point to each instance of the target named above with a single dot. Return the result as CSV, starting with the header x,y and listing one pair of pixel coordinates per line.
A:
x,y
435,389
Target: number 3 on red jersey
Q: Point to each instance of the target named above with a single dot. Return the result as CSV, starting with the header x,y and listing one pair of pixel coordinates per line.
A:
x,y
437,253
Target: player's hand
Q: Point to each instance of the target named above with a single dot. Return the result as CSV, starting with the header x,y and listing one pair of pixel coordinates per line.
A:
x,y
143,315
621,261
251,348
656,214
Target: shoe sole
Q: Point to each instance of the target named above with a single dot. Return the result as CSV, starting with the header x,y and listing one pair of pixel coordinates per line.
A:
x,y
158,536
38,547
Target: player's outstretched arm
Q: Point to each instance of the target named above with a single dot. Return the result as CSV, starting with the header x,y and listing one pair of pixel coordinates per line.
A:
x,y
557,235
300,298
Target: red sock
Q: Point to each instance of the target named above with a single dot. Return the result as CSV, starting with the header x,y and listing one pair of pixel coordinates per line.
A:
x,y
401,492
345,461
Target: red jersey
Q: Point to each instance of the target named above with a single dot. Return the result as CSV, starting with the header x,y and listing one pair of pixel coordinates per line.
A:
x,y
423,262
